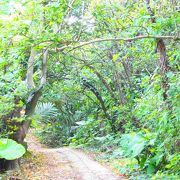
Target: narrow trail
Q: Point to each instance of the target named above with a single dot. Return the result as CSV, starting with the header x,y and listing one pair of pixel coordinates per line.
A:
x,y
68,164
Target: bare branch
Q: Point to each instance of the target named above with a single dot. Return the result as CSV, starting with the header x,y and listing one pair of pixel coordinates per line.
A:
x,y
29,75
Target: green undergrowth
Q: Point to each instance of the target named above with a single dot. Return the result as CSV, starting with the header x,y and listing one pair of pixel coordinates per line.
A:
x,y
109,150
127,167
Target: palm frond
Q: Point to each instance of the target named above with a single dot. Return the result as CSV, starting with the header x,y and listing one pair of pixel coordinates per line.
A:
x,y
46,110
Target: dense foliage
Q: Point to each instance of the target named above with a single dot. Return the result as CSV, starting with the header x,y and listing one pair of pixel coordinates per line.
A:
x,y
111,83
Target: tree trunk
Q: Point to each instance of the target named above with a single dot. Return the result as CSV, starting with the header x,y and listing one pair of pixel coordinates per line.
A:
x,y
20,134
163,62
98,96
119,88
164,66
103,81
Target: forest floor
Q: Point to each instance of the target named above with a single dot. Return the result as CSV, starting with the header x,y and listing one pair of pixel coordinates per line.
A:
x,y
65,163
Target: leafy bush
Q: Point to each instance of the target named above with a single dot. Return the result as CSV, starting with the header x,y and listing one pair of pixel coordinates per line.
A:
x,y
51,125
148,150
53,134
86,132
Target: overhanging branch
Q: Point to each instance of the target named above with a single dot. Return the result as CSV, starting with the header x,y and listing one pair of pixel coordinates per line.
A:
x,y
176,38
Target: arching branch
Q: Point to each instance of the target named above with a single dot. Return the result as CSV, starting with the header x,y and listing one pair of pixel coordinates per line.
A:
x,y
81,44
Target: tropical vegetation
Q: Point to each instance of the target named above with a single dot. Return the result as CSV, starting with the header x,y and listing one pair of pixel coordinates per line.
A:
x,y
101,75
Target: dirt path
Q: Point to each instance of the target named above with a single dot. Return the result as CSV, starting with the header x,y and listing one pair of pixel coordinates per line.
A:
x,y
68,164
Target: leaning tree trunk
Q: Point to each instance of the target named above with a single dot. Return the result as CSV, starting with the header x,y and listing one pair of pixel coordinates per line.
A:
x,y
22,127
98,96
20,134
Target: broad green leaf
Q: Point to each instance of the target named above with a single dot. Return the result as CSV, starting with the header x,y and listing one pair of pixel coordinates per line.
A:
x,y
10,149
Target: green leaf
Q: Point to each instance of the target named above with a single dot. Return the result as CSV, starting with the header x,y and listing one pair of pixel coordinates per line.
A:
x,y
138,148
10,149
150,169
133,144
116,56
